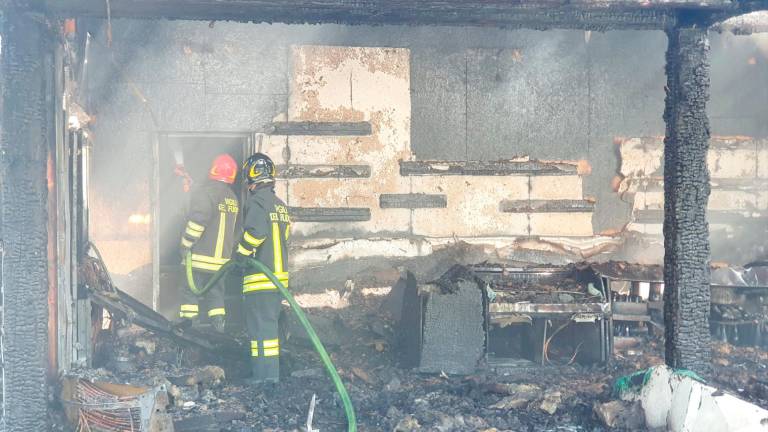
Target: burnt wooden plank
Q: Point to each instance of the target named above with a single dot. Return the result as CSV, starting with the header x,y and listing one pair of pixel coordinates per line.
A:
x,y
546,206
323,171
319,128
486,168
413,201
330,214
535,14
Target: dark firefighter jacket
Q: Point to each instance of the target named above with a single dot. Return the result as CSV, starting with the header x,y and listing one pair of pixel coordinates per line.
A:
x,y
266,229
210,230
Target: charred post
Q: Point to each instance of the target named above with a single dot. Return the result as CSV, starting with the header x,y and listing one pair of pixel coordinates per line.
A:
x,y
26,71
686,192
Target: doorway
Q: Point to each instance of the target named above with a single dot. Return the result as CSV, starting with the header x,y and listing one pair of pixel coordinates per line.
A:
x,y
195,151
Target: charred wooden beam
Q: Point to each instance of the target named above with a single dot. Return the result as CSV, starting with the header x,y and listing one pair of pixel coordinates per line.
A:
x,y
686,193
26,68
323,171
535,14
319,128
330,214
413,201
486,168
546,206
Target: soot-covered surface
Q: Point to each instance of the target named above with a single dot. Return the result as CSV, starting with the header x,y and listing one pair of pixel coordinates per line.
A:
x,y
686,192
453,333
360,341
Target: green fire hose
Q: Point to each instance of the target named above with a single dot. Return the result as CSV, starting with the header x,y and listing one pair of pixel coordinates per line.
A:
x,y
258,266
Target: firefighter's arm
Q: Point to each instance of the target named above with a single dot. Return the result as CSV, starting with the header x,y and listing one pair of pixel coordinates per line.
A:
x,y
254,231
200,210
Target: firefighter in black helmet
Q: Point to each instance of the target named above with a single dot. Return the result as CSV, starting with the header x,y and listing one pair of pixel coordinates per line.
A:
x,y
266,229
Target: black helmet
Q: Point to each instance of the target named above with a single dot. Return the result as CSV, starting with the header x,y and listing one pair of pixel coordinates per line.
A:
x,y
259,169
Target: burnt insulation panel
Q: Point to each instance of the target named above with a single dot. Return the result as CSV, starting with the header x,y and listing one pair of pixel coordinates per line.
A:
x,y
453,338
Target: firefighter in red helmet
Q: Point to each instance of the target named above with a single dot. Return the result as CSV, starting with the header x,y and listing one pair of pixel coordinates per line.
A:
x,y
210,236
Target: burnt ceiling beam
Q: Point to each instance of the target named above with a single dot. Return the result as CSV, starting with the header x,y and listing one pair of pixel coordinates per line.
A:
x,y
25,113
533,14
686,193
539,14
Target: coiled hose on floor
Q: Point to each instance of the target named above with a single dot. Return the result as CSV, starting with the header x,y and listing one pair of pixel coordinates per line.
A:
x,y
257,266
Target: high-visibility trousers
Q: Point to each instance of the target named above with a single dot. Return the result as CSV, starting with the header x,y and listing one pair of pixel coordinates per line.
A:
x,y
262,311
211,304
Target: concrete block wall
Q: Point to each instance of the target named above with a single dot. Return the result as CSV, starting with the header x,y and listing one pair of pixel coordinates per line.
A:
x,y
477,94
348,84
738,180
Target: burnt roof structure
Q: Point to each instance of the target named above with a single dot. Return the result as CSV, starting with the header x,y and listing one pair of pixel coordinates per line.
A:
x,y
532,14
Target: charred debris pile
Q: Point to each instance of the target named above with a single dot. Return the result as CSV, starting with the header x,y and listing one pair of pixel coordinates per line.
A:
x,y
482,348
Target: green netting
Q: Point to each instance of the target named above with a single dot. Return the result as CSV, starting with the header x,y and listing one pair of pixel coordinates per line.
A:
x,y
639,379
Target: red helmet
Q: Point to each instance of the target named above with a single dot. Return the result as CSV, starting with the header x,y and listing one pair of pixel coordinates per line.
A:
x,y
223,169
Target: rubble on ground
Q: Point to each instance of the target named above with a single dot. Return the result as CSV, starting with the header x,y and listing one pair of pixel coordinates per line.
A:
x,y
557,285
207,393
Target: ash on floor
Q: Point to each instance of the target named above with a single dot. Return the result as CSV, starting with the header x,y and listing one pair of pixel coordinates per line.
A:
x,y
207,393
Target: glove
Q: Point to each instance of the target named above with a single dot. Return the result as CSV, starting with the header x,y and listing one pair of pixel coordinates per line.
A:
x,y
183,251
240,260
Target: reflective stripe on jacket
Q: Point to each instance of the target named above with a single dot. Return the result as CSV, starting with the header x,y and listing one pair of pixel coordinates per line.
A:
x,y
210,229
266,230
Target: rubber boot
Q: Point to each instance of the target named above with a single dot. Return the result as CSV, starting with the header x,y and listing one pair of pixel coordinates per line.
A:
x,y
256,374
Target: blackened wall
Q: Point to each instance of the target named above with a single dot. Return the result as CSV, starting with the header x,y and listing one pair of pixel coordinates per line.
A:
x,y
552,95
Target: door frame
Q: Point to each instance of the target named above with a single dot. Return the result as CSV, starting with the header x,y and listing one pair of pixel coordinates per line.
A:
x,y
250,139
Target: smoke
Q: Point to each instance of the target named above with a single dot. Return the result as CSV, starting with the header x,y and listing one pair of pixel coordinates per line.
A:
x,y
476,93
